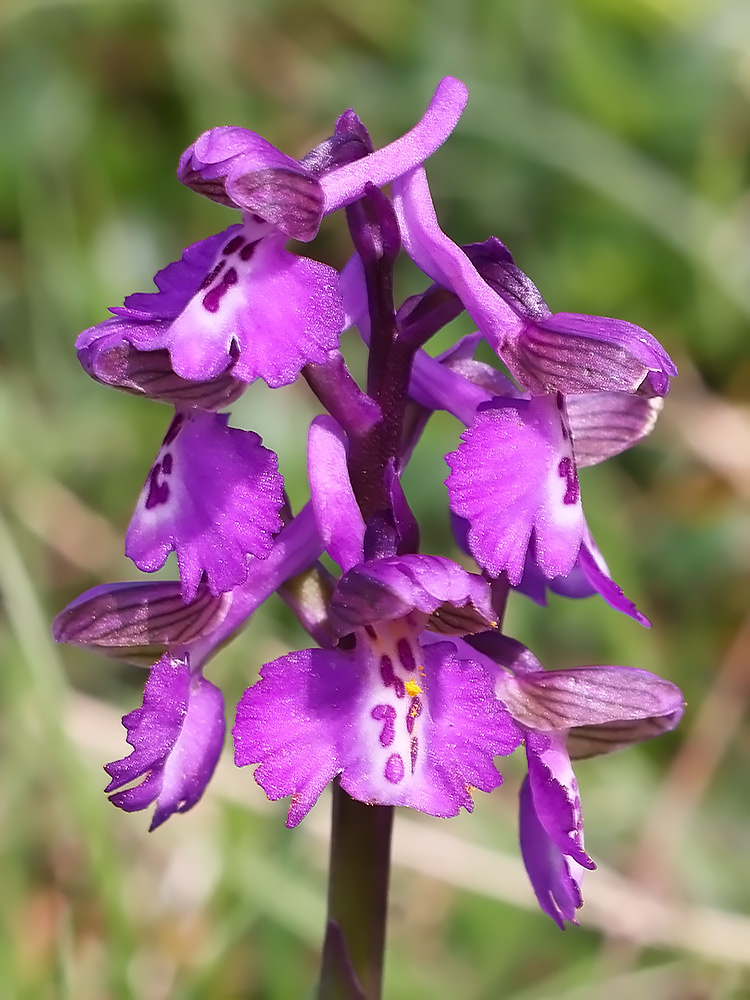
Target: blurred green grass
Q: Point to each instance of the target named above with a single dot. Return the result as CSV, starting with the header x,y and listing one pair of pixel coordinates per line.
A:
x,y
606,142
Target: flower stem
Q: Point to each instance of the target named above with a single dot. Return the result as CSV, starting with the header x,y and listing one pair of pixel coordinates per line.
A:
x,y
357,899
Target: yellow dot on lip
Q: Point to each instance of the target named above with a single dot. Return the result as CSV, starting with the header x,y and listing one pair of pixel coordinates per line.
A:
x,y
413,689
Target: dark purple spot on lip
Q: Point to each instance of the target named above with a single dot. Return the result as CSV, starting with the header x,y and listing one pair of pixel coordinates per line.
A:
x,y
174,429
158,492
415,710
212,299
389,678
166,464
386,713
405,654
414,749
394,769
566,470
233,245
386,670
248,250
212,275
371,631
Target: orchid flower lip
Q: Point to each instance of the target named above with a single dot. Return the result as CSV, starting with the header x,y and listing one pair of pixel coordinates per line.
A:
x,y
401,723
218,308
177,736
212,536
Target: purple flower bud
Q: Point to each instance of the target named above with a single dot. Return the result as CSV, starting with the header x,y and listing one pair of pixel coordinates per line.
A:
x,y
347,184
351,141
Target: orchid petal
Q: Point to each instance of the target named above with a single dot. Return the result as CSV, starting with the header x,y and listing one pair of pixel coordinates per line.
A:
x,y
337,513
555,877
397,731
347,184
177,736
514,474
391,588
214,496
444,261
139,620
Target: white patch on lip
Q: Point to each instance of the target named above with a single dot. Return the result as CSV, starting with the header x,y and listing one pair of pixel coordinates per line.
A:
x,y
204,334
396,707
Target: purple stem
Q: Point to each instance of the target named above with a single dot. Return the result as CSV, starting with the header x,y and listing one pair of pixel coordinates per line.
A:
x,y
361,834
375,235
357,898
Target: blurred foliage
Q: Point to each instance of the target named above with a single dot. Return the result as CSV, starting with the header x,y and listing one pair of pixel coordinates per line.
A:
x,y
606,142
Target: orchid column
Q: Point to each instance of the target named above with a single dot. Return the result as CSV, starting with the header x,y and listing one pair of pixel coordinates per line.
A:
x,y
413,690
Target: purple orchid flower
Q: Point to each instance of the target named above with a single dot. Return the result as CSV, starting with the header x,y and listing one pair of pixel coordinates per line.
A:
x,y
237,303
592,425
397,721
514,487
525,449
178,732
214,496
546,353
564,714
601,424
414,690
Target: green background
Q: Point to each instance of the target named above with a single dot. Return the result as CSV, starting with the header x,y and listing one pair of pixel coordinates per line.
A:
x,y
606,142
